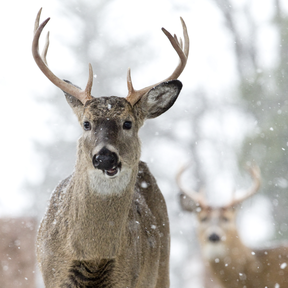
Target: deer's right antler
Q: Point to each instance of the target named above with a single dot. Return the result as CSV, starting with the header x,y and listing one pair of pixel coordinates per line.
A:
x,y
82,95
135,95
256,176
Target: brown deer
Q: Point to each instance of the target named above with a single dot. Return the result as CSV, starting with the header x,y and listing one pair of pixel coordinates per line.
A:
x,y
229,260
107,223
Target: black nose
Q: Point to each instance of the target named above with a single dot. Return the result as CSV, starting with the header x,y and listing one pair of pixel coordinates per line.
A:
x,y
214,237
105,159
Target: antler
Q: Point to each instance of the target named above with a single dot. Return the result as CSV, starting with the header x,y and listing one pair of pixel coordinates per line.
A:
x,y
197,197
256,176
135,95
82,95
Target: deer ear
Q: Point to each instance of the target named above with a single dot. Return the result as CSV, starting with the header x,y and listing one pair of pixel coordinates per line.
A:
x,y
159,99
76,105
186,203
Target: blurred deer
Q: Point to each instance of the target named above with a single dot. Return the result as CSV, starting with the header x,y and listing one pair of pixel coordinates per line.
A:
x,y
107,223
230,261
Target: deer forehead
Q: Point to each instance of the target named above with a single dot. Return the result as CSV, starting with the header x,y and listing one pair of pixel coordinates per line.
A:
x,y
106,107
216,213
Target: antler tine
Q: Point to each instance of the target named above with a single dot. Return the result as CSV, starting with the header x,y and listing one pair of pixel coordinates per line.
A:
x,y
181,43
176,40
37,20
36,26
45,49
256,176
135,95
197,197
89,83
82,95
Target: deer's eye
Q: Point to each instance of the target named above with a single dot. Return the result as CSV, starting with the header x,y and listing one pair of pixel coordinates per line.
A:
x,y
204,219
127,125
86,125
225,219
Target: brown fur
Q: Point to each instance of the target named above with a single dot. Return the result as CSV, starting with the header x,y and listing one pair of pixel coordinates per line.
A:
x,y
17,257
100,232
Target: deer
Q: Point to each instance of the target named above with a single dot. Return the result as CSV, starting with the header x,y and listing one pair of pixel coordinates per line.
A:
x,y
106,224
232,263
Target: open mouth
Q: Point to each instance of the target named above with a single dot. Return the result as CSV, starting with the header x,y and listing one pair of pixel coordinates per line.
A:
x,y
114,171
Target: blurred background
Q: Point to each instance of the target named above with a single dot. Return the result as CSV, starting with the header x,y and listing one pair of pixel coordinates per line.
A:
x,y
232,111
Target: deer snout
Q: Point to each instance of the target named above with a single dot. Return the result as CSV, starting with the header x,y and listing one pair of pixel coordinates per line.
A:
x,y
214,237
105,159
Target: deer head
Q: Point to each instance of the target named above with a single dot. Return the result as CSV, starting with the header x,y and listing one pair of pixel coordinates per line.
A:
x,y
110,124
216,225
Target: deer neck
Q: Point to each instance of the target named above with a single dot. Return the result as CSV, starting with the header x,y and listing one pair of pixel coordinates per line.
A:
x,y
99,209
